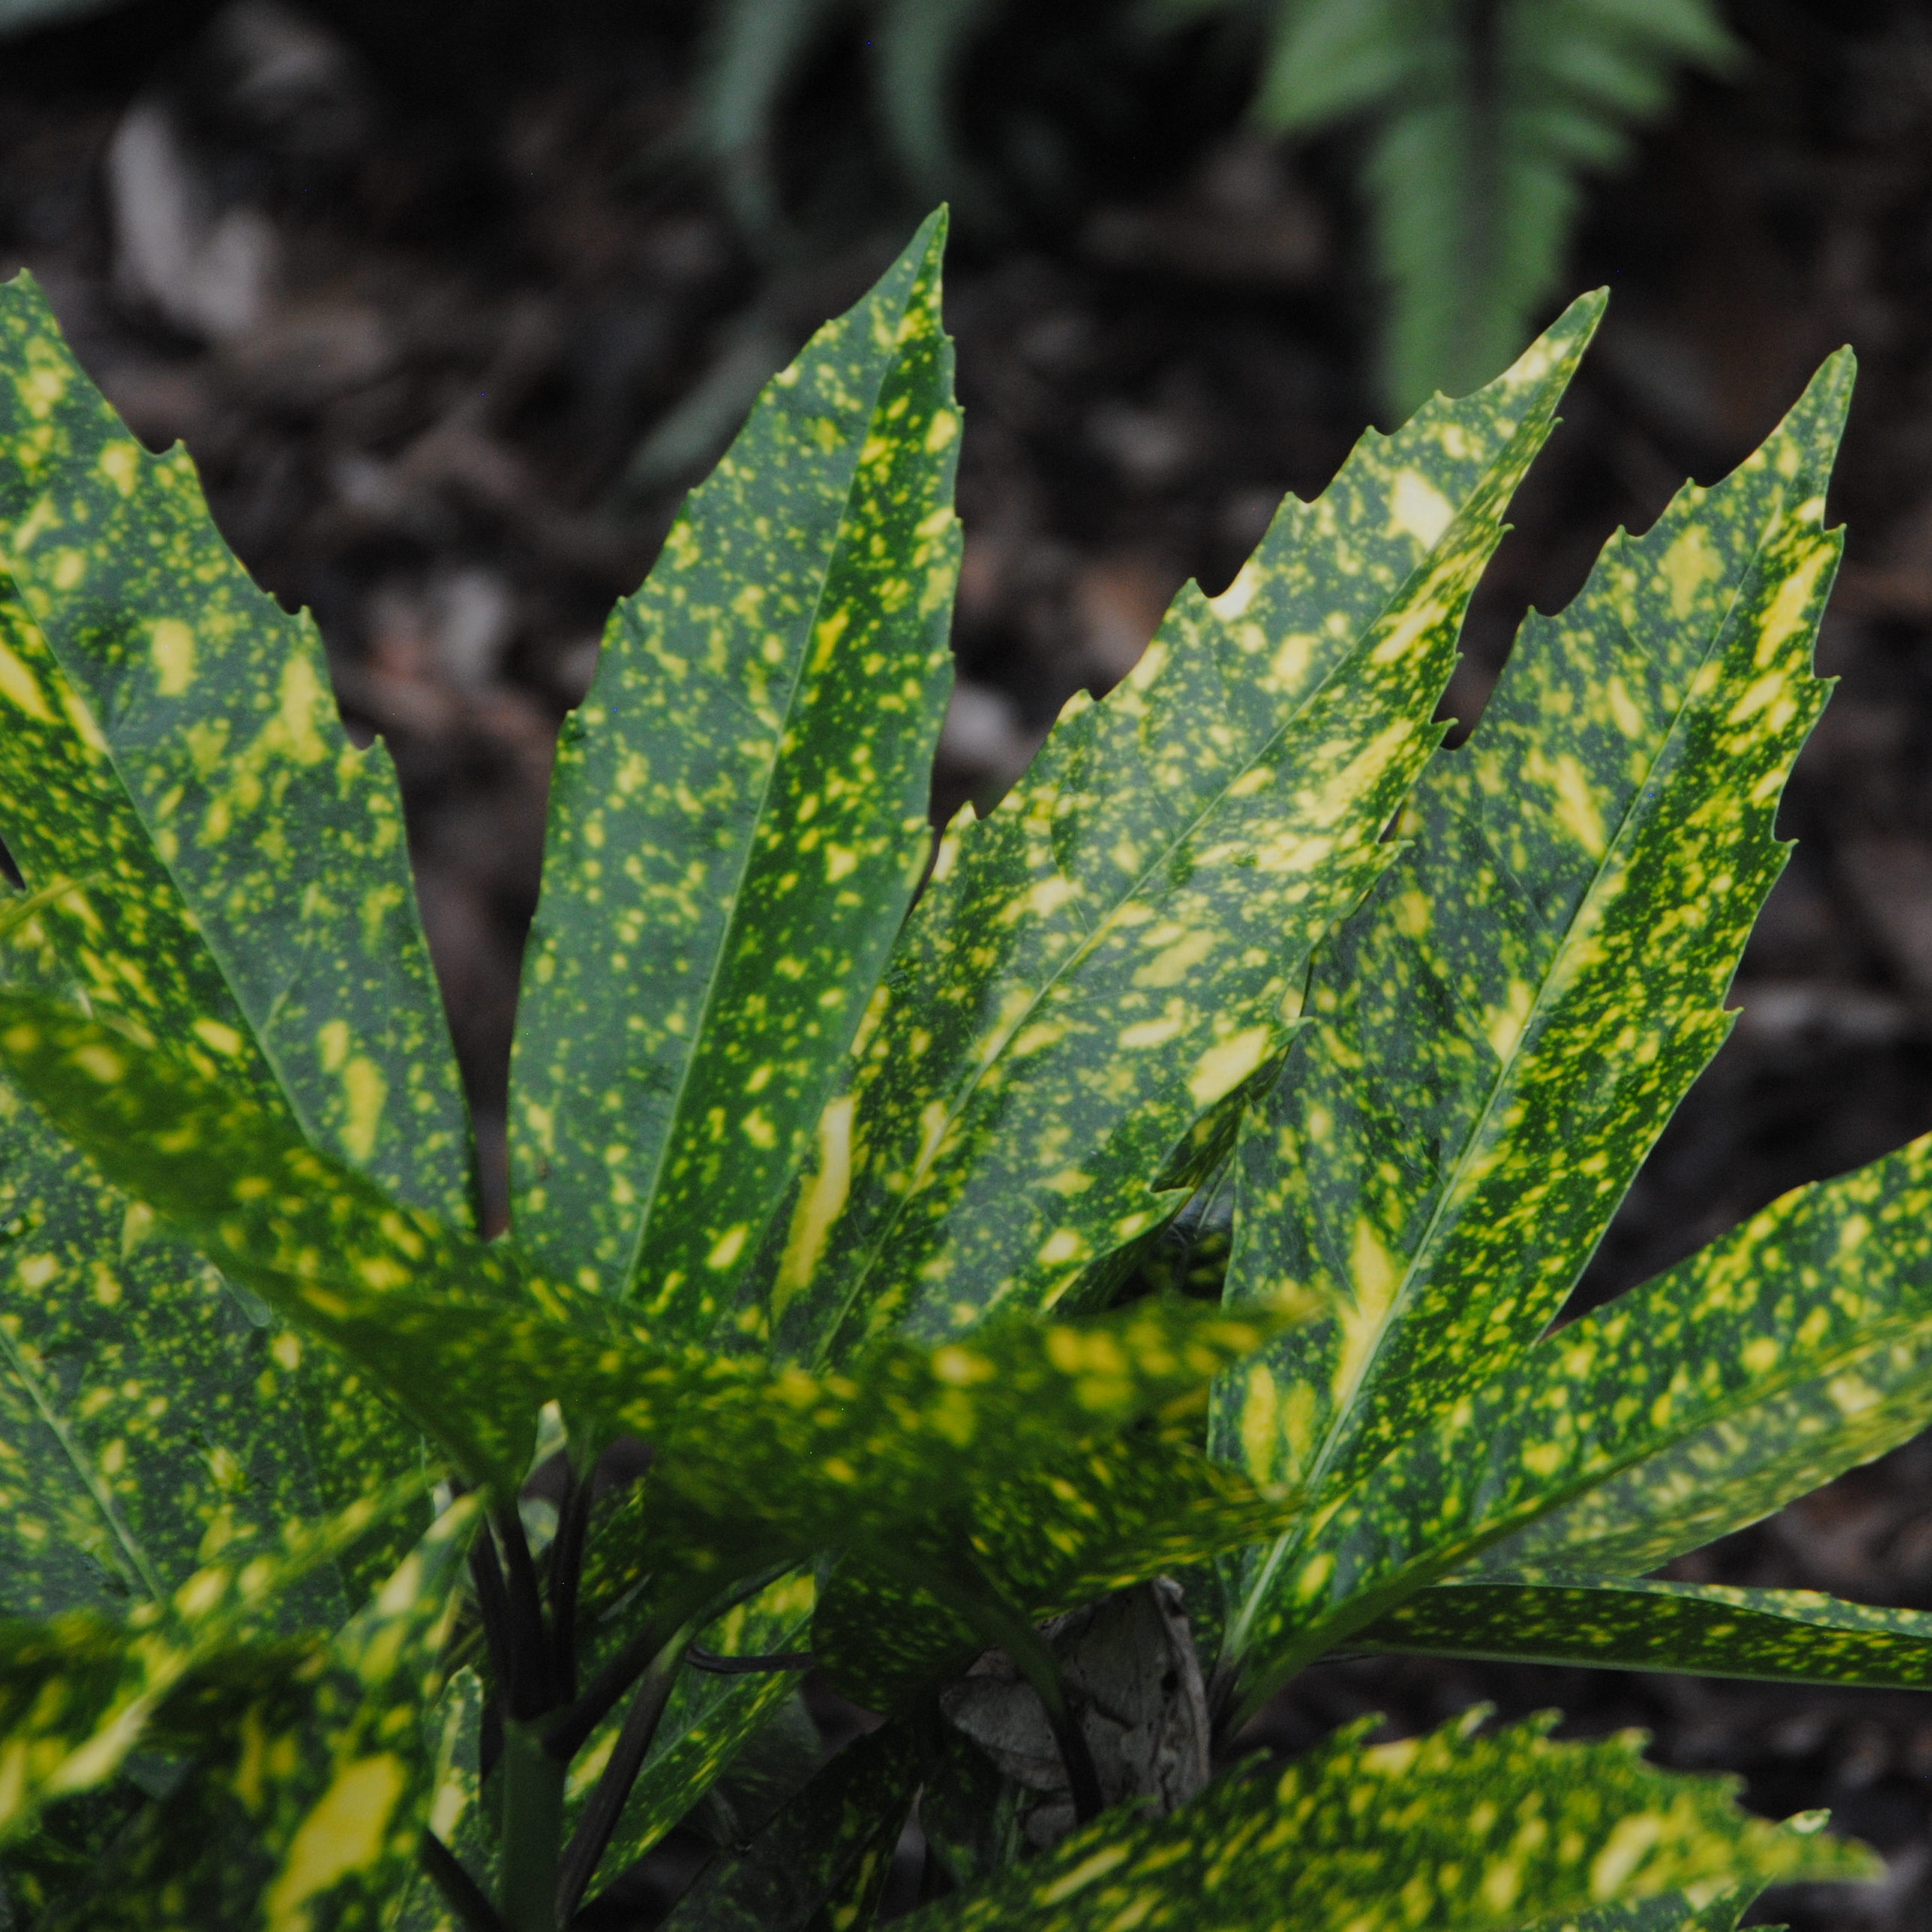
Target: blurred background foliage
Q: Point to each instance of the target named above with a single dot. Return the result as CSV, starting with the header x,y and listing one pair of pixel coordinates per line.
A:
x,y
1473,119
451,303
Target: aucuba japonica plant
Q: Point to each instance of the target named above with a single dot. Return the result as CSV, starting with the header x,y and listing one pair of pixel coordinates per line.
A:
x,y
1056,1287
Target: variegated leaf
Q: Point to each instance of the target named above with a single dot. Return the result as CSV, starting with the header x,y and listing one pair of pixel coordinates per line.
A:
x,y
1543,975
148,1423
1795,1319
308,1815
710,1718
455,1811
1785,1636
170,745
1470,1834
1119,950
752,1466
1545,972
818,1842
1043,1538
79,1691
738,820
390,1286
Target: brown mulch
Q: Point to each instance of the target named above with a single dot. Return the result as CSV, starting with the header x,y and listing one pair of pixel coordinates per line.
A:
x,y
449,325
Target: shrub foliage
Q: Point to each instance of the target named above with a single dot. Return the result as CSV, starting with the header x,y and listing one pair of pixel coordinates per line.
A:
x,y
1098,1268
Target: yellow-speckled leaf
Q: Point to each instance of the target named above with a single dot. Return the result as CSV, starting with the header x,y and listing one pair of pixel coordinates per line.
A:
x,y
307,1815
1118,951
456,1811
752,1466
738,820
148,1422
1468,1833
168,740
709,1720
821,1844
1502,1032
1046,1536
1782,1636
80,1691
393,1287
1647,1426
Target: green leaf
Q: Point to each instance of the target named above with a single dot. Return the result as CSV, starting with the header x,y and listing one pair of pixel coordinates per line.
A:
x,y
1452,1830
1545,974
79,1691
1043,1537
1119,950
393,1287
306,1815
1796,1319
1761,1455
752,1466
170,745
455,1812
738,820
819,1841
709,1719
1783,1636
147,1423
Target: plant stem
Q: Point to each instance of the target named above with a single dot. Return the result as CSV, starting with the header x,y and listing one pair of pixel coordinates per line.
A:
x,y
531,1690
587,1843
533,1830
567,1563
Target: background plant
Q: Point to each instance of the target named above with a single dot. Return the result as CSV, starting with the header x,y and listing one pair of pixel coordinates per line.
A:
x,y
802,1219
1478,120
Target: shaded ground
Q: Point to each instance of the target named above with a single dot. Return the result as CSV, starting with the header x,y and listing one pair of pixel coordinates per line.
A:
x,y
447,350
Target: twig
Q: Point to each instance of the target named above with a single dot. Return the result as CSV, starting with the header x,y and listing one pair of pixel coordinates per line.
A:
x,y
566,1565
701,1659
531,1689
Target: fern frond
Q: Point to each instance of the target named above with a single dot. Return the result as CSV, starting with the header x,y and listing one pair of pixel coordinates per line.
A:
x,y
1483,118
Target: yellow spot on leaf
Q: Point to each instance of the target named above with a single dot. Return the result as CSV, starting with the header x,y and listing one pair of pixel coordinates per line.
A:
x,y
21,689
1223,1067
171,644
344,1834
729,1246
365,1090
1417,509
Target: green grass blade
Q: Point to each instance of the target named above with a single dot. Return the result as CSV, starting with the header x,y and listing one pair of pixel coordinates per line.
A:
x,y
171,743
1546,973
1472,1833
1778,1636
739,819
1120,947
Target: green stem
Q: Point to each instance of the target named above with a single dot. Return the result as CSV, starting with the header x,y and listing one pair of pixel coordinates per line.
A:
x,y
533,1830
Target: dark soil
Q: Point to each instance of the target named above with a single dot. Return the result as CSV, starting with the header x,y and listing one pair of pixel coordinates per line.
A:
x,y
449,321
